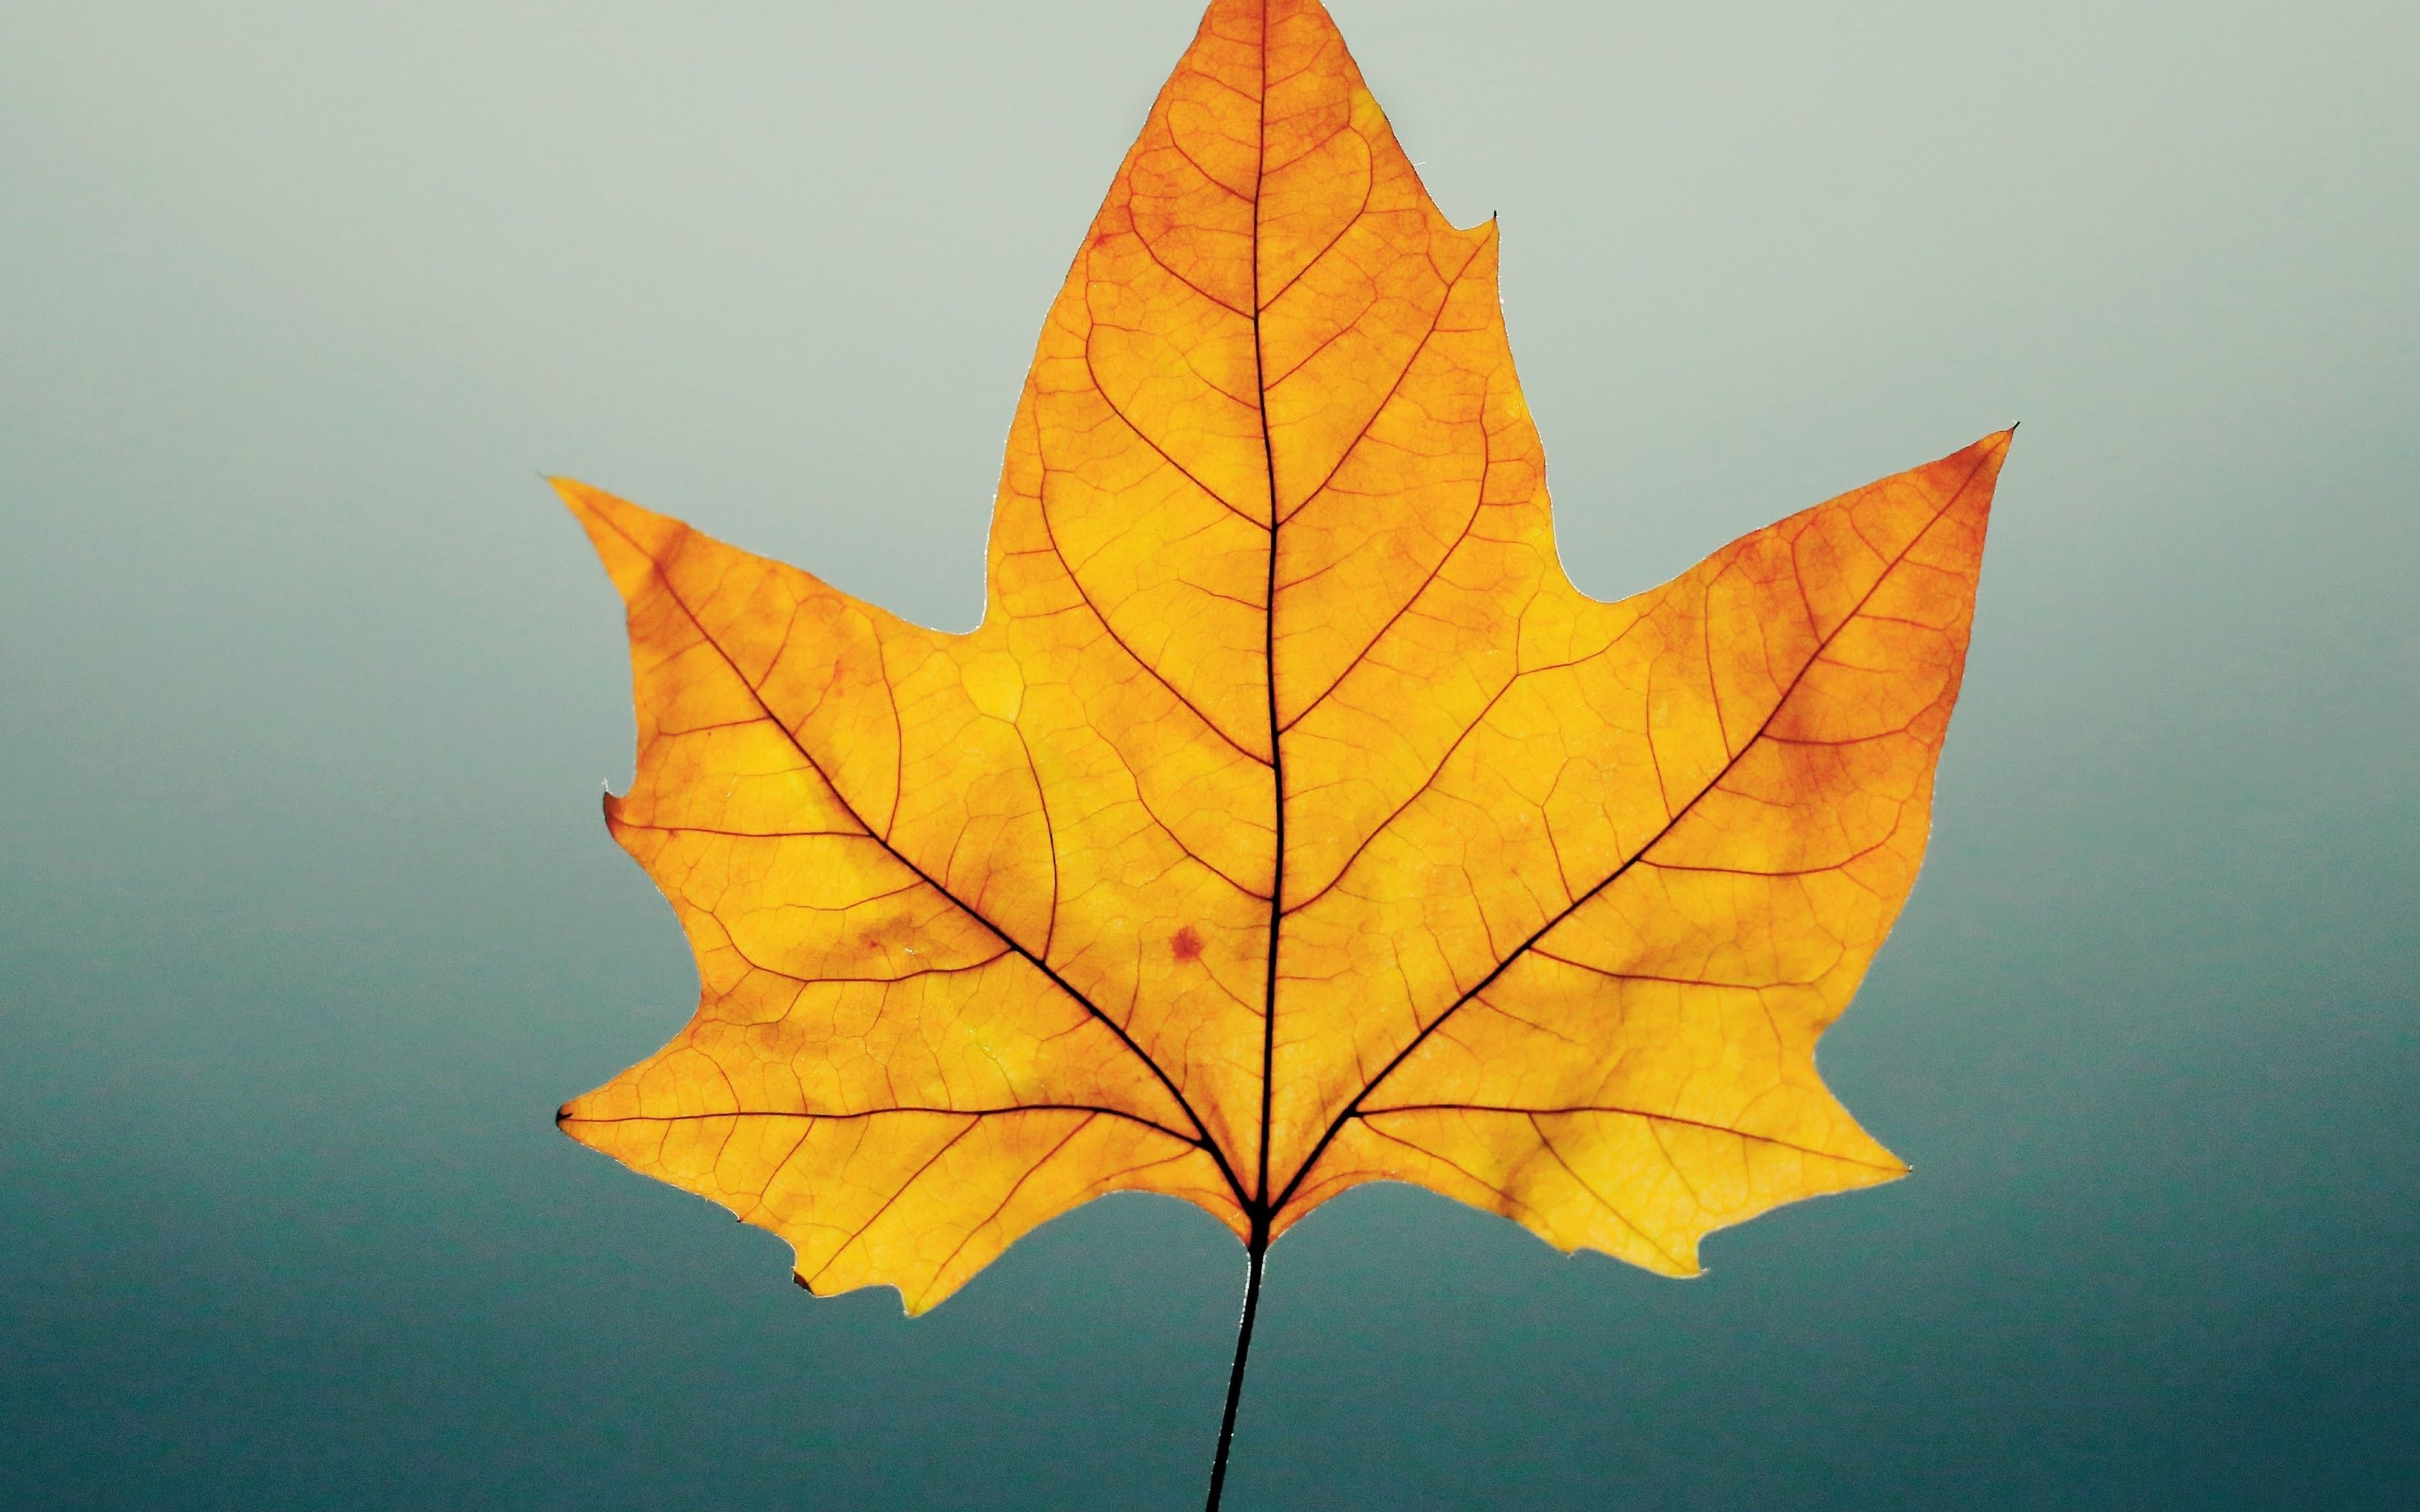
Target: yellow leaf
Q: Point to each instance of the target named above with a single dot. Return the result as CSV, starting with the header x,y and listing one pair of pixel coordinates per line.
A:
x,y
1291,822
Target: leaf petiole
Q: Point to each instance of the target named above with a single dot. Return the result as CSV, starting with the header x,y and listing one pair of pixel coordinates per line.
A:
x,y
1258,1250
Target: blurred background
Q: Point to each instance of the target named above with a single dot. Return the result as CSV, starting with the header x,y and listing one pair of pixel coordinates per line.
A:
x,y
308,690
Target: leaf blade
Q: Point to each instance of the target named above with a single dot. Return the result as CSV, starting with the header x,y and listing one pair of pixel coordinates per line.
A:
x,y
1290,820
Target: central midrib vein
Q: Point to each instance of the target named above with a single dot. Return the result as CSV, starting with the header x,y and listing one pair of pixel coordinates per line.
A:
x,y
1259,1208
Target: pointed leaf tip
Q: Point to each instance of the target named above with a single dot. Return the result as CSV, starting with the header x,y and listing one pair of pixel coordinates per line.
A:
x,y
629,541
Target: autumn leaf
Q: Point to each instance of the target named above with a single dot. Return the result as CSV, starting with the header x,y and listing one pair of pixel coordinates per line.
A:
x,y
1291,821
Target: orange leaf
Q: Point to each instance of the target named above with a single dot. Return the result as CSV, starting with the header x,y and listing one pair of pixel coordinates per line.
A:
x,y
1291,821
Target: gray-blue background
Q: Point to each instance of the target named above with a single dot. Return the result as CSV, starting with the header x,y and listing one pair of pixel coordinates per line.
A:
x,y
309,690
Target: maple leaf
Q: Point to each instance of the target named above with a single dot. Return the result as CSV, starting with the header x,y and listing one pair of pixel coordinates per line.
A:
x,y
1291,821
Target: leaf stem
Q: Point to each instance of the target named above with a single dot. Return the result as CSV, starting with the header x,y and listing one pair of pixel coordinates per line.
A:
x,y
1258,1250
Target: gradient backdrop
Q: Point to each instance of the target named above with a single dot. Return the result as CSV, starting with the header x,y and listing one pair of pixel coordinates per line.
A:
x,y
309,690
